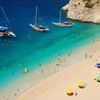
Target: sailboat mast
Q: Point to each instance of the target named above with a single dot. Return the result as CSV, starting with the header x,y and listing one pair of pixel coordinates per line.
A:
x,y
36,15
5,15
60,17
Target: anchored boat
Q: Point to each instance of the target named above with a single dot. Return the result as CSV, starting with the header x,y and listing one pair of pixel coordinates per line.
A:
x,y
6,31
62,24
39,27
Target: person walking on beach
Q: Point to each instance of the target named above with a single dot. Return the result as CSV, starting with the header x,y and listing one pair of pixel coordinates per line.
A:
x,y
90,56
85,55
75,93
42,71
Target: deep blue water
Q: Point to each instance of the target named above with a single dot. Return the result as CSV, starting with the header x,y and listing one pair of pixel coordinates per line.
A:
x,y
31,47
21,14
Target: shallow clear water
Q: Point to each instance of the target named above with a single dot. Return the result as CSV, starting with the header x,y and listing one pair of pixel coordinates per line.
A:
x,y
31,47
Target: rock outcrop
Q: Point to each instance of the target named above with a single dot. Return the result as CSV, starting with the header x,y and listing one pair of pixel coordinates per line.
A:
x,y
83,10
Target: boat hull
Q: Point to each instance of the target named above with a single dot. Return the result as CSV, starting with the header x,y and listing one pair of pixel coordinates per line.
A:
x,y
62,24
7,34
11,34
4,31
39,29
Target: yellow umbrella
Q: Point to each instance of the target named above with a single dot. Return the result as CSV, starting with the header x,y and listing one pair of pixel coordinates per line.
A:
x,y
69,91
26,70
81,84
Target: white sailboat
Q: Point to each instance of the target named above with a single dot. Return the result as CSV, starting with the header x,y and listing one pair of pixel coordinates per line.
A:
x,y
38,27
60,23
5,31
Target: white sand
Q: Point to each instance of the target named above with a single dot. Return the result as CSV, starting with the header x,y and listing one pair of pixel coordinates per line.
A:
x,y
54,87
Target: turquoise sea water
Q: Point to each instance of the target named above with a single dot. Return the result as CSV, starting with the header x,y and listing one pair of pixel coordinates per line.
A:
x,y
30,47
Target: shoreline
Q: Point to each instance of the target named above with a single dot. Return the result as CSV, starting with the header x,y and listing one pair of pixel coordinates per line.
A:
x,y
59,71
52,71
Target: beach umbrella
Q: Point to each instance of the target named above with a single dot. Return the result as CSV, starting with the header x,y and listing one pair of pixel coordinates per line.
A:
x,y
98,79
69,91
26,70
81,84
21,71
98,65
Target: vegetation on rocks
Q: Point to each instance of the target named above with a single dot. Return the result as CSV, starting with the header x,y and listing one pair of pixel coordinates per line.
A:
x,y
88,3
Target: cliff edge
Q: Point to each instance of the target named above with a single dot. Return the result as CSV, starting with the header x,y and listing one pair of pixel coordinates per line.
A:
x,y
83,10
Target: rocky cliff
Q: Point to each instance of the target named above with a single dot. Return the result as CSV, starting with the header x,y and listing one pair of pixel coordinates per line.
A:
x,y
83,10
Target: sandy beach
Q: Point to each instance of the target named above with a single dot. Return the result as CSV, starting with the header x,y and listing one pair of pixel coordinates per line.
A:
x,y
54,87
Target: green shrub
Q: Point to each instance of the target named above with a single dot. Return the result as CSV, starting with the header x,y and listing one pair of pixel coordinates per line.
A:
x,y
86,0
89,5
